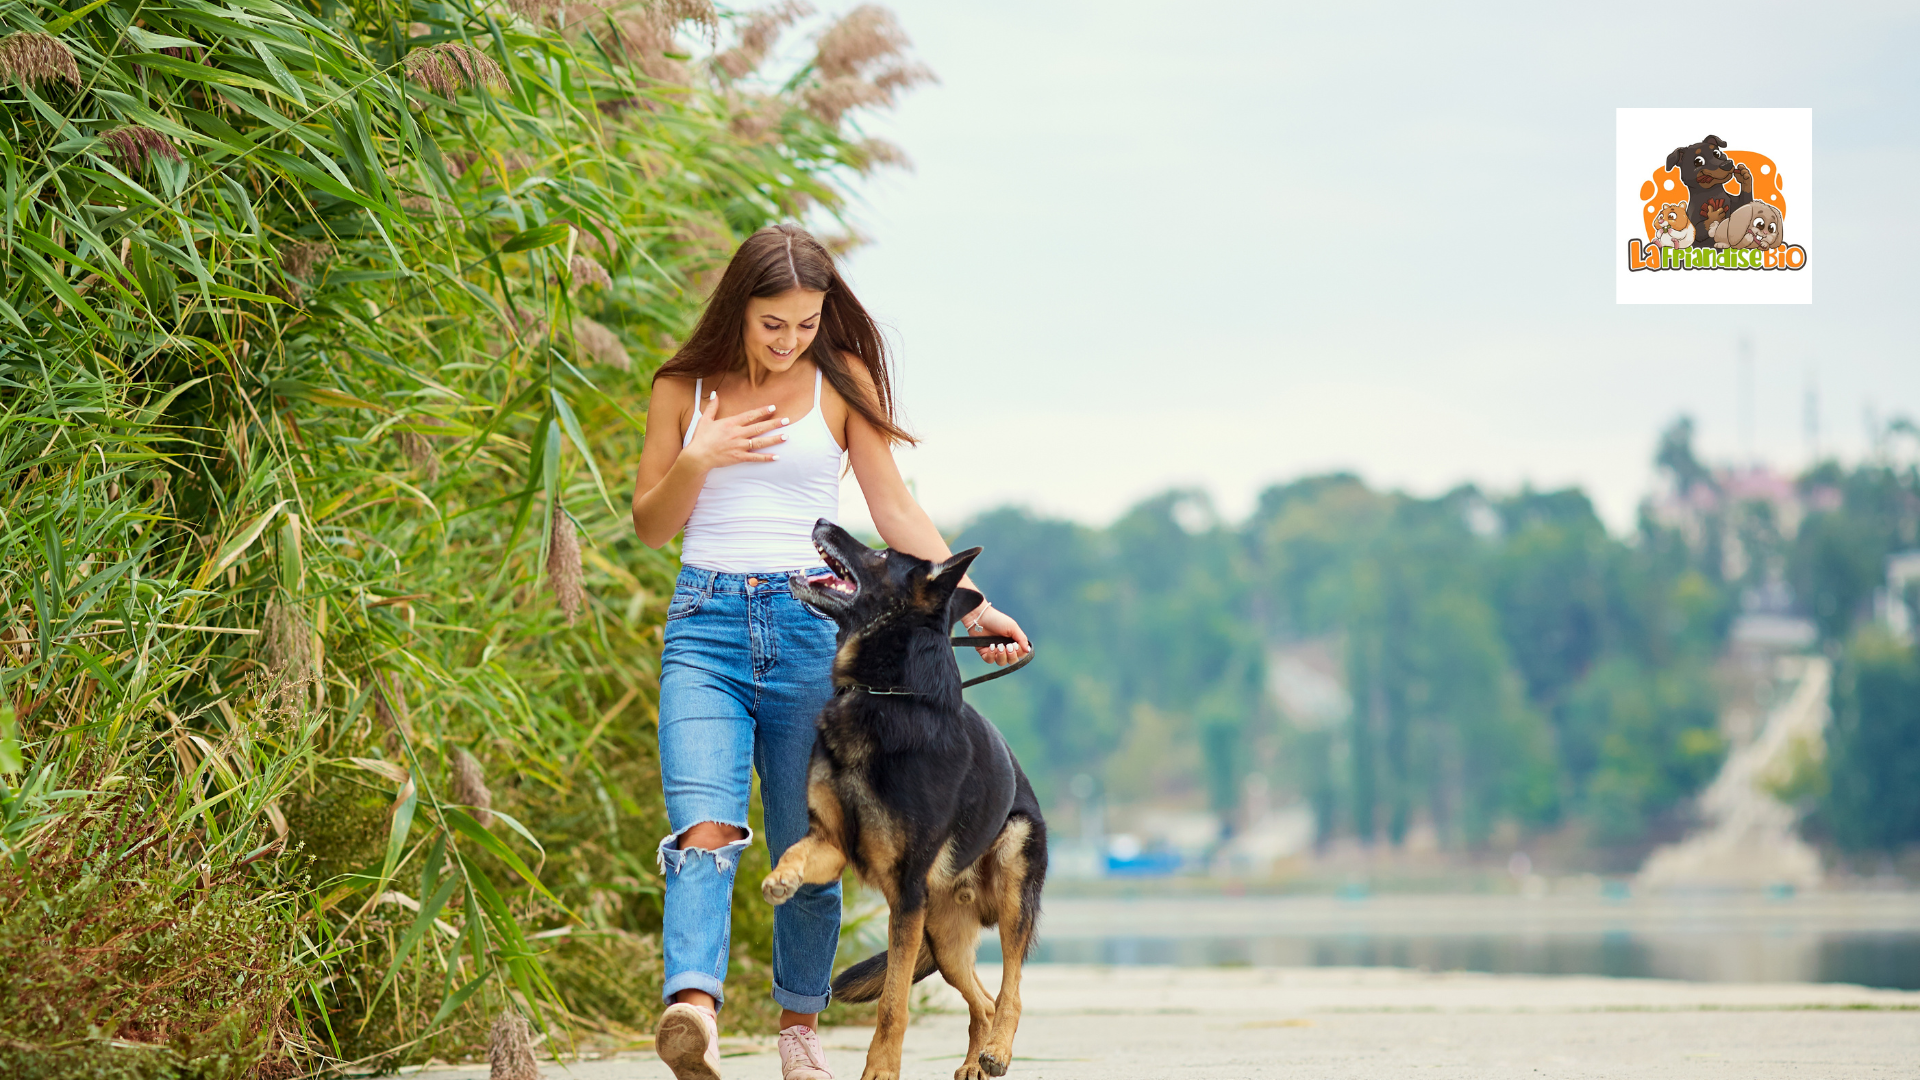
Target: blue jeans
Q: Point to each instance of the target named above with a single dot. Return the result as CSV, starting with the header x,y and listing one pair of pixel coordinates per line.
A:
x,y
743,675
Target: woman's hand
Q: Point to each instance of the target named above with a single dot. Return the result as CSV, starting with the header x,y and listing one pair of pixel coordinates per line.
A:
x,y
719,442
998,623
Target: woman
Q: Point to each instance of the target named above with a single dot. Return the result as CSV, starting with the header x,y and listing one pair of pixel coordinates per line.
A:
x,y
748,422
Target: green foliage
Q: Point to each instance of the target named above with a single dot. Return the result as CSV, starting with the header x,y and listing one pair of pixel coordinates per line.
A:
x,y
1839,556
328,329
109,932
1507,661
1640,739
1873,748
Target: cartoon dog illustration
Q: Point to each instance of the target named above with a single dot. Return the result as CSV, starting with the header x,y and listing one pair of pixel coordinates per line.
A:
x,y
1705,169
1755,225
1672,228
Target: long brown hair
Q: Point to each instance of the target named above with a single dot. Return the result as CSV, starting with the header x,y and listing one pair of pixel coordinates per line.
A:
x,y
777,259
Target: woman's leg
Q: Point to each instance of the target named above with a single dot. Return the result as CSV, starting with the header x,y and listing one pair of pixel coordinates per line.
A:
x,y
806,929
706,752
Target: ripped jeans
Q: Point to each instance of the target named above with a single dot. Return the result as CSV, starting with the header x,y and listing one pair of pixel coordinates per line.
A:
x,y
743,675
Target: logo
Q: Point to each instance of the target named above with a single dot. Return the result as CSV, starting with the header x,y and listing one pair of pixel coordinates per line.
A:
x,y
1707,218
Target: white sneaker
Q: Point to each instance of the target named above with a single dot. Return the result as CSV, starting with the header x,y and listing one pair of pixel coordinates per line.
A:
x,y
688,1040
801,1057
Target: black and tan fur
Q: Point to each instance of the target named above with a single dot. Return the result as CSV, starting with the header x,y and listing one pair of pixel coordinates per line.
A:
x,y
920,794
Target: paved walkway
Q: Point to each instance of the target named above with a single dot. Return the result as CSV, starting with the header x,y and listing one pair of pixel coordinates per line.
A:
x,y
1087,1023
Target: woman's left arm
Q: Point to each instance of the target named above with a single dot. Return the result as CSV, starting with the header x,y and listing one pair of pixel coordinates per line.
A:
x,y
906,527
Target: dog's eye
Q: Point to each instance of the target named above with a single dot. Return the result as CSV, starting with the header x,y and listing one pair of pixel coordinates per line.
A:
x,y
1699,161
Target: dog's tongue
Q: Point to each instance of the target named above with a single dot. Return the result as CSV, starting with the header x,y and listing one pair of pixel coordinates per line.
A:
x,y
830,580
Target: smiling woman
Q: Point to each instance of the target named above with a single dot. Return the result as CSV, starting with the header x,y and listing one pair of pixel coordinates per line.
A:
x,y
747,663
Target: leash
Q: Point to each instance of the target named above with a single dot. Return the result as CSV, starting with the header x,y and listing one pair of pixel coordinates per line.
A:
x,y
958,643
991,639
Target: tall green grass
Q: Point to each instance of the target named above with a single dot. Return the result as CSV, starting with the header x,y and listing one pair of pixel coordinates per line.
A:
x,y
328,656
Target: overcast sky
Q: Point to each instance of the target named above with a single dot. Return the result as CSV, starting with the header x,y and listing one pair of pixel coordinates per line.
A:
x,y
1226,245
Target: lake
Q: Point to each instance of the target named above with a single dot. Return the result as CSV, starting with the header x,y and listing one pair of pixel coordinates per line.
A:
x,y
1871,939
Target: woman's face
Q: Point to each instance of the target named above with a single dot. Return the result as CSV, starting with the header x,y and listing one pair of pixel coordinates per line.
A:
x,y
779,328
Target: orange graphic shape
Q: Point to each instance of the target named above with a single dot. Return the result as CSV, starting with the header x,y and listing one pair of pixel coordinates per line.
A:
x,y
1766,187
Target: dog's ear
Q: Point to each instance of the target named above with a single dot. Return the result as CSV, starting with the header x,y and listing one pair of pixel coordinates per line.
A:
x,y
962,602
1714,141
947,575
1673,159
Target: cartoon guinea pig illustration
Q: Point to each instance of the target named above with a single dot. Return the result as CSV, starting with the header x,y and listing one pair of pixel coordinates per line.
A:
x,y
1672,227
1755,225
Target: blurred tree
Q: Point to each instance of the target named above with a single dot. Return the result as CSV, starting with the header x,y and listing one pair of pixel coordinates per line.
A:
x,y
1873,753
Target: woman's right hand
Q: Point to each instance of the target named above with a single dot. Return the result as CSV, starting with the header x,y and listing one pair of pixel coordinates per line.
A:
x,y
719,442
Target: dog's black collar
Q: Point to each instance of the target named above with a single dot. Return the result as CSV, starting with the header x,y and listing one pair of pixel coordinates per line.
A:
x,y
895,691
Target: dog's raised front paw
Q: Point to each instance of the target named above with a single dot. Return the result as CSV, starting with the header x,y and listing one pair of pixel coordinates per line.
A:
x,y
779,886
991,1065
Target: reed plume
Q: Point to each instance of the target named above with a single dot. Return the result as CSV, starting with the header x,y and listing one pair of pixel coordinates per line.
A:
x,y
563,565
588,273
862,64
510,1049
757,36
451,66
599,343
469,787
137,145
33,57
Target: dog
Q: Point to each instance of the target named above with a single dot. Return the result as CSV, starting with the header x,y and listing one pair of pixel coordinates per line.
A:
x,y
1671,227
920,795
1755,225
1705,168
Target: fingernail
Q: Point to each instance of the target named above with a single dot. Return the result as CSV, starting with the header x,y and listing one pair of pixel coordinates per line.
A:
x,y
783,438
784,421
773,457
770,408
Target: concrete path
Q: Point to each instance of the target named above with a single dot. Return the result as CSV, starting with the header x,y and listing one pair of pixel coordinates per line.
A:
x,y
1085,1023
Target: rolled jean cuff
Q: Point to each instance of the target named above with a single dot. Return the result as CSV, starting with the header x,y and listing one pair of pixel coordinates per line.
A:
x,y
801,1003
695,980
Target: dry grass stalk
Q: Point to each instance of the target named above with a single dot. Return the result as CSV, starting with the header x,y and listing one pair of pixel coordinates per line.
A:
x,y
533,10
286,642
302,257
758,35
600,343
563,565
419,447
32,57
469,787
874,153
138,145
510,1049
587,272
451,66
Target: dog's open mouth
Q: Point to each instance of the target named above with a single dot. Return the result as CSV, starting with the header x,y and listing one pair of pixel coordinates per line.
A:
x,y
840,579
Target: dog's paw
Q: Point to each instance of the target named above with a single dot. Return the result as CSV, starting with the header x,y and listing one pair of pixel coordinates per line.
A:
x,y
779,886
880,1072
970,1071
991,1065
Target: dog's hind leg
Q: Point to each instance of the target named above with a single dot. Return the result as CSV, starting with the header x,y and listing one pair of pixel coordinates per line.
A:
x,y
812,860
904,932
953,930
1020,866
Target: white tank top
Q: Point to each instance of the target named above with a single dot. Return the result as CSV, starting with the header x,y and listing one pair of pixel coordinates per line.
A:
x,y
758,516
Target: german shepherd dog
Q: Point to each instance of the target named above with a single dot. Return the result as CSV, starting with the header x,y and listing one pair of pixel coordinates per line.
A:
x,y
921,795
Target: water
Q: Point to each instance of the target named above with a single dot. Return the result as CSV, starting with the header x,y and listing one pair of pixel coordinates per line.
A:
x,y
1865,939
